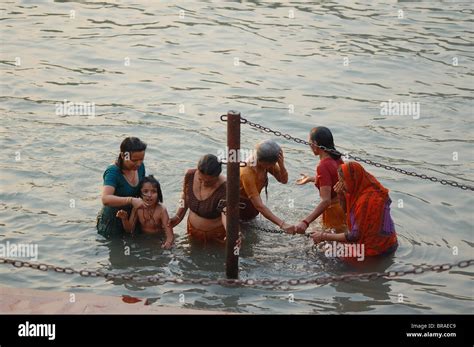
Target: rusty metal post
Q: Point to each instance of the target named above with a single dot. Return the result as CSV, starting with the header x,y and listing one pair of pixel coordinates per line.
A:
x,y
233,193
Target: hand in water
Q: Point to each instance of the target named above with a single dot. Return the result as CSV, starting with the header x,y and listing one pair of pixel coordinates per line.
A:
x,y
304,179
122,214
317,237
168,244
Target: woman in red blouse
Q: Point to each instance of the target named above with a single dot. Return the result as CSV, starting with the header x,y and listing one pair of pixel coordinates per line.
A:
x,y
333,216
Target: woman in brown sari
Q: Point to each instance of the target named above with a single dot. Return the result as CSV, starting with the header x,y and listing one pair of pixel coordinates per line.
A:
x,y
203,189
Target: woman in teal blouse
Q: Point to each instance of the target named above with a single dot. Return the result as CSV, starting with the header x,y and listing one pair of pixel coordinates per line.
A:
x,y
120,188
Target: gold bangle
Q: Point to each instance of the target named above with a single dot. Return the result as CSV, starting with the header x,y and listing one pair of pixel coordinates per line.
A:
x,y
129,200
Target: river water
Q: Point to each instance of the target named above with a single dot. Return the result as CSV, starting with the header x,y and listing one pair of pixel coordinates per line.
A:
x,y
165,73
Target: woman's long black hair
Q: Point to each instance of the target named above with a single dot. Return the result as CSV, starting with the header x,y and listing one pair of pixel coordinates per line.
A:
x,y
323,137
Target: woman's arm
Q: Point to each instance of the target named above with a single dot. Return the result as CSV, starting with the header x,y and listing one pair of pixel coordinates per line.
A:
x,y
325,193
180,213
265,211
320,236
279,170
109,199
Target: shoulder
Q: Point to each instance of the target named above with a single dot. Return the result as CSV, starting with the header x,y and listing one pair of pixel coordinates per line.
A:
x,y
247,172
161,210
327,164
189,173
223,179
222,182
112,169
322,166
161,207
112,172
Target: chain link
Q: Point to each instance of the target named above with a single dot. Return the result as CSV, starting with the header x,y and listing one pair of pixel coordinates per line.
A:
x,y
356,158
417,270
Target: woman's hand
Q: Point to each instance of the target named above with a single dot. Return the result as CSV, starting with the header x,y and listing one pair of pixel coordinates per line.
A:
x,y
122,214
138,203
304,179
301,227
289,229
168,244
281,159
174,221
317,237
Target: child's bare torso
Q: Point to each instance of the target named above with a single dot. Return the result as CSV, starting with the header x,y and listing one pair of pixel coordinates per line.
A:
x,y
151,219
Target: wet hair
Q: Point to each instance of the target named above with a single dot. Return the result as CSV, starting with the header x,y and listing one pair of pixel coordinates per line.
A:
x,y
323,138
268,151
210,165
154,182
130,144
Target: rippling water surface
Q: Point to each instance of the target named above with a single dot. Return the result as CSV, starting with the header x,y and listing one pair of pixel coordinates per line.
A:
x,y
165,72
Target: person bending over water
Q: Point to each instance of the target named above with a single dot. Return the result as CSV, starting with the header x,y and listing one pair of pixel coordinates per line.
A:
x,y
367,204
153,218
120,188
203,188
253,178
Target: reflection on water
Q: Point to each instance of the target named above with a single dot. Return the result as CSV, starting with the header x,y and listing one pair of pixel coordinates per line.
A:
x,y
166,72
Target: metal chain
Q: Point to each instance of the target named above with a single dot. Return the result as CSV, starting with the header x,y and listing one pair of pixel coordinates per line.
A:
x,y
356,158
417,270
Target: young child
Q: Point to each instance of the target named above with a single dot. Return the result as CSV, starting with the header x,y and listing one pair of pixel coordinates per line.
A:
x,y
153,218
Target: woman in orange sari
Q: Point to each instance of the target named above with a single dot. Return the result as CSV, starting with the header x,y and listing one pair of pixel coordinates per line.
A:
x,y
367,206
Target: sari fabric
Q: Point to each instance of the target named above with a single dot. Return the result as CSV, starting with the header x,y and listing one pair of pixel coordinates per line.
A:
x,y
366,199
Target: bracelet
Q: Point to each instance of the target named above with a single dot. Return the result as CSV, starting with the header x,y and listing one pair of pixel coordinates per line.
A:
x,y
305,222
129,200
282,222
